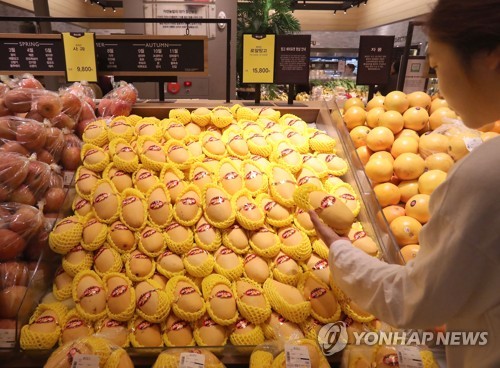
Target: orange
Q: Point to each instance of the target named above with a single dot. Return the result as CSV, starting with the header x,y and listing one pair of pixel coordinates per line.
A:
x,y
437,103
354,117
439,161
408,166
418,208
364,154
397,101
409,252
430,180
438,117
373,115
376,101
461,144
380,139
432,143
392,120
358,135
408,188
387,194
392,212
419,99
382,155
379,170
408,133
488,135
404,145
405,229
353,102
415,118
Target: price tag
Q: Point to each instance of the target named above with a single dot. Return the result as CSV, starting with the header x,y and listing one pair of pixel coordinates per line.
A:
x,y
192,360
297,357
409,357
472,143
79,54
85,361
68,177
258,58
7,338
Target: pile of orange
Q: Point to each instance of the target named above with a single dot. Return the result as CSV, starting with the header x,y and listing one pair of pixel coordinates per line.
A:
x,y
403,158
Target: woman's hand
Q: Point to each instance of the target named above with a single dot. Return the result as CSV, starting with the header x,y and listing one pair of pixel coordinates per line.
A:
x,y
325,232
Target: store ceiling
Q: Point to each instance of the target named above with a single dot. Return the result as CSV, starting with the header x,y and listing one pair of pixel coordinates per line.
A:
x,y
327,4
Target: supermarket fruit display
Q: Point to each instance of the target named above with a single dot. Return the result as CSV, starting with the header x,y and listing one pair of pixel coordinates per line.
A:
x,y
193,230
407,144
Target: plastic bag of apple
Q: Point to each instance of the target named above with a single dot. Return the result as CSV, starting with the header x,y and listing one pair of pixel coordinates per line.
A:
x,y
119,101
407,144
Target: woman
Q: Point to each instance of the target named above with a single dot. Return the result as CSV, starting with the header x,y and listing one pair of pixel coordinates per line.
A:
x,y
455,278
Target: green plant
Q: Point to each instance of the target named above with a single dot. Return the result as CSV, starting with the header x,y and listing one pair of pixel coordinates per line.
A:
x,y
263,16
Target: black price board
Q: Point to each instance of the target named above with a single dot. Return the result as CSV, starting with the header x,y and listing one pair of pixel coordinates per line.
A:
x,y
35,54
292,59
151,55
374,62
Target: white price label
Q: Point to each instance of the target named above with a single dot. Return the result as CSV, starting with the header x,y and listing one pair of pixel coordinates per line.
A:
x,y
297,356
472,143
68,177
192,360
409,357
85,361
7,338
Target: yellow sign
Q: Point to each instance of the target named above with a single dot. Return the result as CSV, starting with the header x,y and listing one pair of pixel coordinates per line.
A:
x,y
79,53
258,58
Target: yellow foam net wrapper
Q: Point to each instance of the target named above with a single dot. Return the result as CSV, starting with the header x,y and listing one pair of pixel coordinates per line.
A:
x,y
163,307
180,247
295,313
321,142
68,317
232,273
301,195
214,245
270,114
180,313
301,285
221,121
199,212
168,203
76,297
64,241
261,359
102,138
282,149
345,304
79,191
254,314
173,359
285,278
274,182
205,170
34,340
114,192
258,149
336,166
202,270
100,237
253,337
272,220
320,248
115,358
127,134
169,274
301,227
299,252
132,276
137,194
183,115
208,153
147,162
127,312
246,113
207,285
218,224
61,294
133,339
126,165
99,347
185,165
245,221
72,269
148,128
428,360
268,252
251,174
117,262
310,328
345,192
201,119
99,166
297,140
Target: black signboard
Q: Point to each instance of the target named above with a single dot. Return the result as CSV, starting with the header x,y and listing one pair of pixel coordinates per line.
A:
x,y
374,62
121,55
35,54
292,59
143,56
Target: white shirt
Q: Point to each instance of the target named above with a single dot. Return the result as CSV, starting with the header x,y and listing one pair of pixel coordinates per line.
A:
x,y
455,278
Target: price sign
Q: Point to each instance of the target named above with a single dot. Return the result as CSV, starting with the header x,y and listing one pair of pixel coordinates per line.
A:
x,y
258,58
79,52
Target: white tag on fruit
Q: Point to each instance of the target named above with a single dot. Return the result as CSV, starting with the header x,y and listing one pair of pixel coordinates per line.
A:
x,y
472,143
192,360
85,361
409,357
7,338
297,356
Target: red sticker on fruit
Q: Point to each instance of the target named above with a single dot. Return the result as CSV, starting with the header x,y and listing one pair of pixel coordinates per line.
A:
x,y
156,205
252,292
269,206
195,251
91,291
119,290
203,227
143,325
101,197
188,201
217,200
282,259
128,201
200,175
187,290
231,175
249,257
172,226
317,292
288,233
359,234
73,323
45,319
179,325
348,196
144,298
144,175
391,360
140,256
225,251
320,265
249,207
223,294
172,183
327,201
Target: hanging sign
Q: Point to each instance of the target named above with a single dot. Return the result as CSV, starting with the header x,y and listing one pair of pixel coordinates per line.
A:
x,y
79,53
258,58
374,62
292,59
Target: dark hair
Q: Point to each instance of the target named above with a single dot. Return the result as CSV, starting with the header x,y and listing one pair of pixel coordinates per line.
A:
x,y
469,26
352,66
